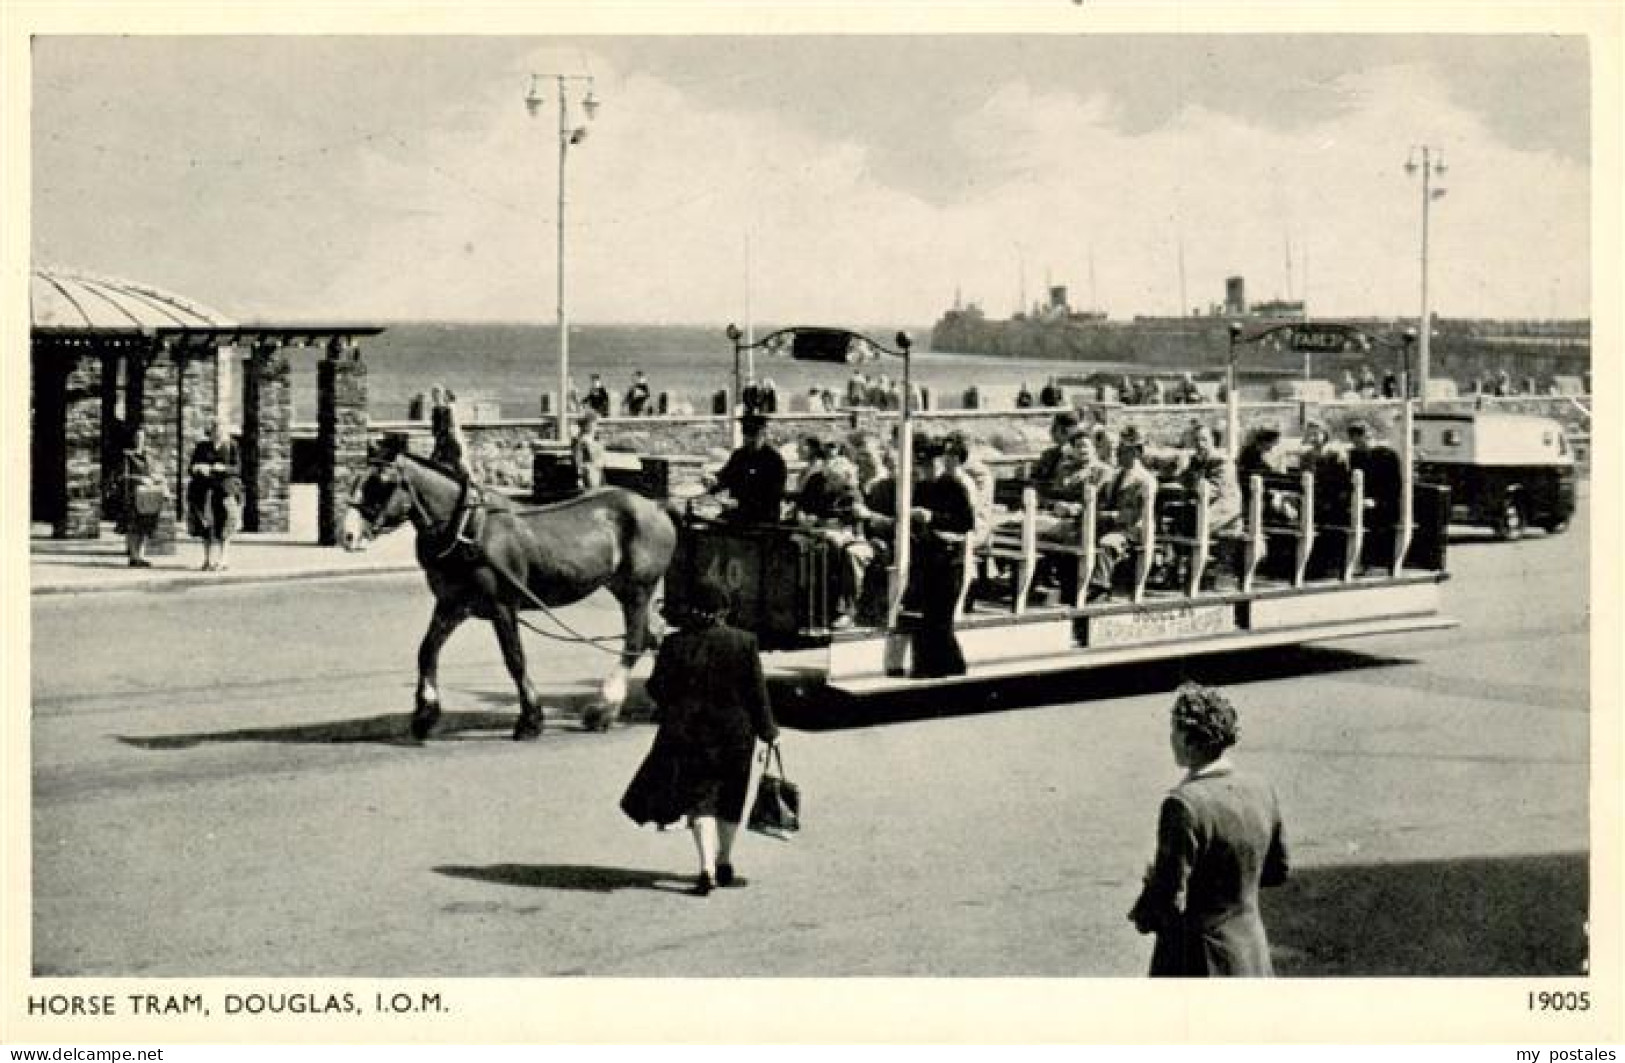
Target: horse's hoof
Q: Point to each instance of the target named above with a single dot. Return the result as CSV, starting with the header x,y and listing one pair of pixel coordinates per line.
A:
x,y
527,731
421,728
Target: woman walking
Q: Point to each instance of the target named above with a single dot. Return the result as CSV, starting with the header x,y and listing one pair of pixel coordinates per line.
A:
x,y
214,495
1218,839
712,702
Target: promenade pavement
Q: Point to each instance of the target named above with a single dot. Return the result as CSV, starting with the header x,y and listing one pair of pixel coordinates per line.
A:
x,y
83,566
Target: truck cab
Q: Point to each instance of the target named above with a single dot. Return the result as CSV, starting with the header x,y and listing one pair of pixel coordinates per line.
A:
x,y
1505,471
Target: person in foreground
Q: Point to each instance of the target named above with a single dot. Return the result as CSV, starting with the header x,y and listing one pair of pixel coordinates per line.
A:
x,y
1218,839
712,707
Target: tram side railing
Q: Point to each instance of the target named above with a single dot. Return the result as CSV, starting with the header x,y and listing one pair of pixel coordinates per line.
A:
x,y
1021,545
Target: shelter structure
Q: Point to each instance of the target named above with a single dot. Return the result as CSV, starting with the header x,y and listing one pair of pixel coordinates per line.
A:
x,y
108,356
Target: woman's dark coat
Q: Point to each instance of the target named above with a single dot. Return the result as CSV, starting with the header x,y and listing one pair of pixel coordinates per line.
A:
x,y
713,705
1218,839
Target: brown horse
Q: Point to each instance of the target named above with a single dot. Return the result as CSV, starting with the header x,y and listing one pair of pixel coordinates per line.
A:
x,y
486,557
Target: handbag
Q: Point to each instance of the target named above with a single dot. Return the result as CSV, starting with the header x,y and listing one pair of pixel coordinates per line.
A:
x,y
776,812
149,498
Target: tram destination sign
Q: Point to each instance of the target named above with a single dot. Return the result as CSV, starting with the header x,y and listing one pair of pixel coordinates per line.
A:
x,y
1326,338
1161,625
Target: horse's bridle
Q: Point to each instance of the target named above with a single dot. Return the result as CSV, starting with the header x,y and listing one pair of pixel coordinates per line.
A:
x,y
458,524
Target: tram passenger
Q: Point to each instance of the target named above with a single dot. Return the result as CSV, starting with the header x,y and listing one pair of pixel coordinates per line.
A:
x,y
1105,445
1123,504
1219,838
1381,469
812,451
587,452
1081,474
943,514
754,476
1204,468
1332,485
829,505
1259,457
1203,465
876,513
1044,474
978,477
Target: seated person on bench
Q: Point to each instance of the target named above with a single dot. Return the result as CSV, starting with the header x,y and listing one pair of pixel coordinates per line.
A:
x,y
1384,482
1045,474
1078,473
1332,486
830,505
1123,503
1209,469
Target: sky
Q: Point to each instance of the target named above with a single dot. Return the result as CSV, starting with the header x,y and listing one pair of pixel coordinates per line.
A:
x,y
844,180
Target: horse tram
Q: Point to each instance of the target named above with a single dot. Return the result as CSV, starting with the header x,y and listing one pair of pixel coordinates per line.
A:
x,y
1313,555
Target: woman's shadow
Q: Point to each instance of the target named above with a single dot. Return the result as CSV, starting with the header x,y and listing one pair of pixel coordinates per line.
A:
x,y
585,878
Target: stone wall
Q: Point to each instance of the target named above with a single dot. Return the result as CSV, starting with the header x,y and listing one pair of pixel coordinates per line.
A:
x,y
503,453
342,435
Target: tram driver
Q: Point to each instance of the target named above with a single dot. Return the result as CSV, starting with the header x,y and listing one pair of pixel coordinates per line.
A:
x,y
754,476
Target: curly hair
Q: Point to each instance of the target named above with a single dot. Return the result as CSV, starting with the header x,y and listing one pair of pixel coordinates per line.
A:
x,y
1206,716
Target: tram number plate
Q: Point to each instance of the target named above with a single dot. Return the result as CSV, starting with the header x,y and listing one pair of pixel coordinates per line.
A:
x,y
1161,625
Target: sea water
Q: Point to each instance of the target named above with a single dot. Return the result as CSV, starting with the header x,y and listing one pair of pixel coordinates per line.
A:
x,y
514,364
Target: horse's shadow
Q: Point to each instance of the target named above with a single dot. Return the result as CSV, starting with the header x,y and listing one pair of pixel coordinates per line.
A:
x,y
564,709
586,878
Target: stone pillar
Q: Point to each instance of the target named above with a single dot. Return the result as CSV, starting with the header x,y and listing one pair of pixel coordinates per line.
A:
x,y
199,403
341,433
159,417
267,443
82,450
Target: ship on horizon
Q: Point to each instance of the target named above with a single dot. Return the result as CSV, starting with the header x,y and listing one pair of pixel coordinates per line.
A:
x,y
1463,349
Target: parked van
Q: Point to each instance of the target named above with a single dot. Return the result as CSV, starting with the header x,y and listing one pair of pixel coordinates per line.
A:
x,y
1506,471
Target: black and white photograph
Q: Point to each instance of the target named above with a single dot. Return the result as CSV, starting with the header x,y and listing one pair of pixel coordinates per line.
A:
x,y
536,526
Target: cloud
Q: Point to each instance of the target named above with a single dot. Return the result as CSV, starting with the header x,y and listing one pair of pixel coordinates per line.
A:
x,y
407,180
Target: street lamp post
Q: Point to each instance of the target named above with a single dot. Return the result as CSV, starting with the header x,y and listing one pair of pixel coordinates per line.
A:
x,y
568,135
1430,167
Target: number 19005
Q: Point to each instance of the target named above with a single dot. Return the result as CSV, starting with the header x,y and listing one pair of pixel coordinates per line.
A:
x,y
1560,1000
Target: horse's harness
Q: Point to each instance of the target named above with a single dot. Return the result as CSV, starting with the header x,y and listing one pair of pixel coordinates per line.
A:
x,y
462,536
461,543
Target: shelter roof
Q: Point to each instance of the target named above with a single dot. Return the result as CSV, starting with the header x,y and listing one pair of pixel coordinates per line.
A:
x,y
75,308
69,300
